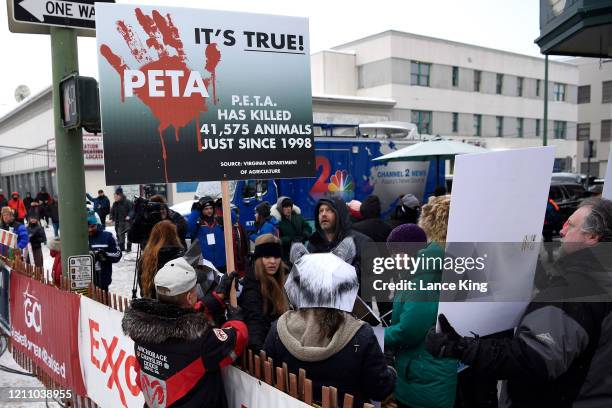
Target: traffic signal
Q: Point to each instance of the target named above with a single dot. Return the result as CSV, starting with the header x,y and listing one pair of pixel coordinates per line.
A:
x,y
80,103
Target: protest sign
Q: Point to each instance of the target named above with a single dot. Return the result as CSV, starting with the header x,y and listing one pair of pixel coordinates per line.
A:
x,y
192,95
498,207
109,366
44,326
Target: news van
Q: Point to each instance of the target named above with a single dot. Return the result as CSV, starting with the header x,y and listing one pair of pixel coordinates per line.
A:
x,y
343,169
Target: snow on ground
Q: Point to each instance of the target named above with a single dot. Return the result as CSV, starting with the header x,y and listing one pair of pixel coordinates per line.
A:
x,y
17,381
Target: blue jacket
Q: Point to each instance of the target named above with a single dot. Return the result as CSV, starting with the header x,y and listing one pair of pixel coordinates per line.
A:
x,y
269,226
17,228
104,242
100,205
212,241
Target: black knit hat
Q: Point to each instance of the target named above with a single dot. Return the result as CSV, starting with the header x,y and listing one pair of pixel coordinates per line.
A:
x,y
263,209
207,201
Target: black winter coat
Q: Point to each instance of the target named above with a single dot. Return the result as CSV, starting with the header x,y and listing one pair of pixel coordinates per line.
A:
x,y
140,230
120,210
403,215
359,369
180,349
560,353
318,243
37,235
375,228
54,212
251,302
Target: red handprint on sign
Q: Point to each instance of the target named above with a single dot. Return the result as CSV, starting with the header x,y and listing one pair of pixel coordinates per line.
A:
x,y
174,93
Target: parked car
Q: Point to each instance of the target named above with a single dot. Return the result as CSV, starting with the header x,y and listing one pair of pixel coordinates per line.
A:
x,y
568,197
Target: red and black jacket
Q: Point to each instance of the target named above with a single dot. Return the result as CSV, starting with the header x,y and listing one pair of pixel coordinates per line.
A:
x,y
180,353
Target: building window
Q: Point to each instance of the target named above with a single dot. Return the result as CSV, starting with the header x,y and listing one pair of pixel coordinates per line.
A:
x,y
584,94
538,87
606,92
455,122
477,77
423,121
455,76
537,127
360,80
499,84
583,131
559,92
519,86
560,129
499,125
606,128
519,127
419,73
477,125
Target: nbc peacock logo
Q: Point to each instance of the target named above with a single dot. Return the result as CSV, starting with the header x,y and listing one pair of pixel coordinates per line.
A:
x,y
341,182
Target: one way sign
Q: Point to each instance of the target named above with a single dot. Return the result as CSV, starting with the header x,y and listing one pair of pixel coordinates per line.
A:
x,y
73,13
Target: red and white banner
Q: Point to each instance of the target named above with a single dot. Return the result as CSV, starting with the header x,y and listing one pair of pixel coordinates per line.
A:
x,y
44,324
245,391
8,238
107,357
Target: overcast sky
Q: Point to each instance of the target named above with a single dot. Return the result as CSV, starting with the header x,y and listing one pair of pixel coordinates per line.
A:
x,y
506,25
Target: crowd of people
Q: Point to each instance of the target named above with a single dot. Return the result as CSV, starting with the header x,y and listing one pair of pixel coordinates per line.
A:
x,y
28,218
297,292
296,289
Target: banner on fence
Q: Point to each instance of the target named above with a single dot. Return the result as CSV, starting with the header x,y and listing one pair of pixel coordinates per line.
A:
x,y
107,357
44,323
8,239
4,296
243,390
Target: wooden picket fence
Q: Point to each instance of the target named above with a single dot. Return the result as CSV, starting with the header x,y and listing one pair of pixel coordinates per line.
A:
x,y
259,366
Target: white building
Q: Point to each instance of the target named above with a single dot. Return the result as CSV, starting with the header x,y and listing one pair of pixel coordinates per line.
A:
x,y
594,113
450,89
492,97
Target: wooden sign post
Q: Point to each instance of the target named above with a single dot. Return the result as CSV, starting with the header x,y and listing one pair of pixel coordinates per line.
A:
x,y
227,233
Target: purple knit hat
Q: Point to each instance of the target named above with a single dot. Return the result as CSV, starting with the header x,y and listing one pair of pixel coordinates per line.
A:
x,y
407,233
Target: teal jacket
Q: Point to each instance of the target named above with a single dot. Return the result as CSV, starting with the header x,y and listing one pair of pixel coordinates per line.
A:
x,y
423,381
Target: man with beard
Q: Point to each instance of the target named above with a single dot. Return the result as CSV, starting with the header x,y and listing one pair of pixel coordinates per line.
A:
x,y
560,353
333,232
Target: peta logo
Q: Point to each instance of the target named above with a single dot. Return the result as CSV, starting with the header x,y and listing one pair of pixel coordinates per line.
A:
x,y
32,311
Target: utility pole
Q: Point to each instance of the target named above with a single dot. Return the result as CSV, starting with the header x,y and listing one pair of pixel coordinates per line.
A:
x,y
545,138
69,152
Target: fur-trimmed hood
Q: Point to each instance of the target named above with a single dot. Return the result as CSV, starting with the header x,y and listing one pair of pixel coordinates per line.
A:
x,y
275,211
153,322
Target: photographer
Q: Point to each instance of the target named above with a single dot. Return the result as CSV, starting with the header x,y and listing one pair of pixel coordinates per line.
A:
x,y
149,212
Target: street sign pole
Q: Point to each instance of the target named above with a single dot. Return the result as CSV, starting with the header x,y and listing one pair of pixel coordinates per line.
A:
x,y
69,152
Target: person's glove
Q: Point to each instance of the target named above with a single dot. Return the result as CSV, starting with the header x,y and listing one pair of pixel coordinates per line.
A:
x,y
101,256
234,313
196,206
225,284
446,343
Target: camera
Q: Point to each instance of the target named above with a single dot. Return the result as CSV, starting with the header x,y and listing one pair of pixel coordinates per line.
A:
x,y
150,211
147,213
